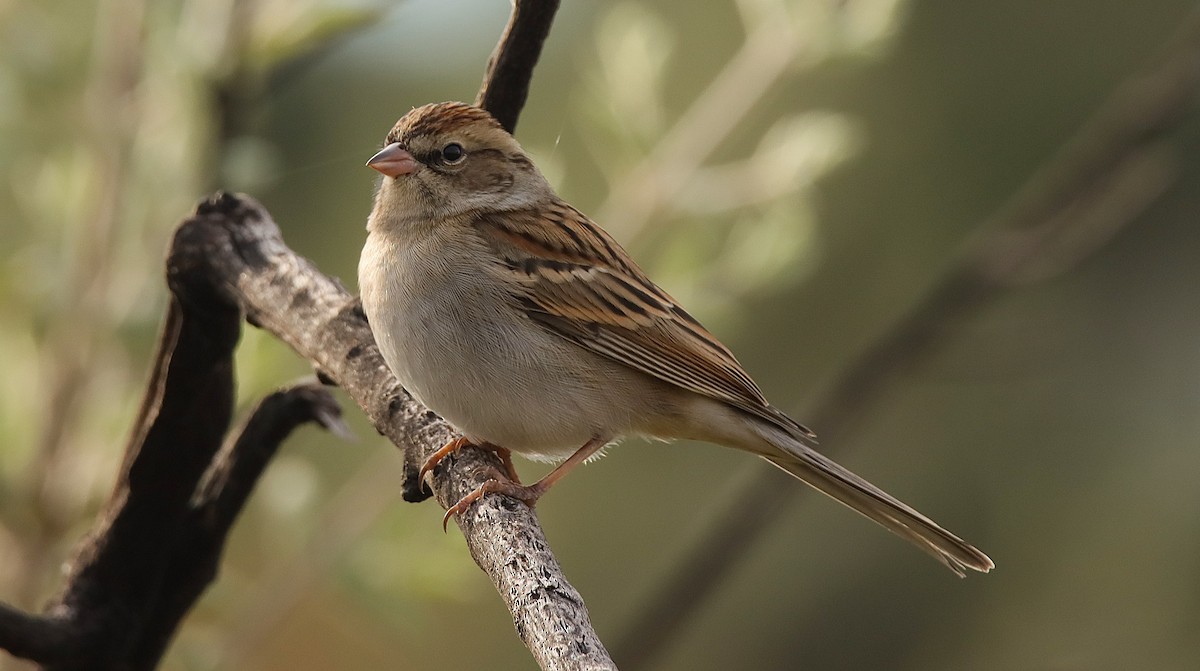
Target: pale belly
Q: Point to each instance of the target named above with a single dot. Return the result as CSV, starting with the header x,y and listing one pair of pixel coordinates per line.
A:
x,y
457,347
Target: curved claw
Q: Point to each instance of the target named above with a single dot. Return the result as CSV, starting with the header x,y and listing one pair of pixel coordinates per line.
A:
x,y
466,501
436,458
527,494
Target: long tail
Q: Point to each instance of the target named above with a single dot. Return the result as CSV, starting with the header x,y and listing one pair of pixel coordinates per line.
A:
x,y
841,485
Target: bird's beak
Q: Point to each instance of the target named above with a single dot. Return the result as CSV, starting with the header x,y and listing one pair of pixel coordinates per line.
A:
x,y
393,161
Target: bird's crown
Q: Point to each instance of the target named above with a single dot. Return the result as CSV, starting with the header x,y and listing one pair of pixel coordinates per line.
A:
x,y
438,119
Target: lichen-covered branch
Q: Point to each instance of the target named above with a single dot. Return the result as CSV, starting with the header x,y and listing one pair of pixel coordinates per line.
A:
x,y
233,242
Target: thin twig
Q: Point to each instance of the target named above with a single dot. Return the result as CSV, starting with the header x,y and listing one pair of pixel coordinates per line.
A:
x,y
510,67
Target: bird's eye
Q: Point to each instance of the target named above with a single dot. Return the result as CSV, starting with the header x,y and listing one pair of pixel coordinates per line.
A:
x,y
453,153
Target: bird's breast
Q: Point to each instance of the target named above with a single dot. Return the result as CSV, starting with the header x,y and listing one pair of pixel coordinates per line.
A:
x,y
449,332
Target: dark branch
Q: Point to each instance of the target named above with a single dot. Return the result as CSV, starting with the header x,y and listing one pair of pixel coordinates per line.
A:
x,y
229,482
38,637
118,571
1115,168
510,68
219,498
157,543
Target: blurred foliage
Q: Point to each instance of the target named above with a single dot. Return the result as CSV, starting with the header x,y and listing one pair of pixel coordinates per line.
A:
x,y
794,172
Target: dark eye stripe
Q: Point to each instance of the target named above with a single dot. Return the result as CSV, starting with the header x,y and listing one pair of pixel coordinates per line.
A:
x,y
427,158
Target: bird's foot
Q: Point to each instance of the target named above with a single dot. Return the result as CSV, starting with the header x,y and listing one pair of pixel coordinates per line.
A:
x,y
436,458
461,442
528,494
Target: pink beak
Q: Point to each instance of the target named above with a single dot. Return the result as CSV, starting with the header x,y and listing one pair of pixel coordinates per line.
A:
x,y
393,161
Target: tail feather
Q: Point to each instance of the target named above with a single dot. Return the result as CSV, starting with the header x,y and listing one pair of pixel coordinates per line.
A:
x,y
844,486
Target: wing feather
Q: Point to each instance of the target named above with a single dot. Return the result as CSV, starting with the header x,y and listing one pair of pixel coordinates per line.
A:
x,y
576,281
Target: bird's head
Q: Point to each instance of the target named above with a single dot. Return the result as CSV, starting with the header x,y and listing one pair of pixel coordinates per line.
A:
x,y
448,159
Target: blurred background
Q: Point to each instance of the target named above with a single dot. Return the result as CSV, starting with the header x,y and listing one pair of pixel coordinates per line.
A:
x,y
800,174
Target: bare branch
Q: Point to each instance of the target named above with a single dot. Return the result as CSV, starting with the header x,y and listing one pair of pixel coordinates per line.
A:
x,y
243,257
38,637
158,543
1106,177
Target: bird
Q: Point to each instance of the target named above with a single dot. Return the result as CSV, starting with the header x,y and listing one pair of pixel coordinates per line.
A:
x,y
529,329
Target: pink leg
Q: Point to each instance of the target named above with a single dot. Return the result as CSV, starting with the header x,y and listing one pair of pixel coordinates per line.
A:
x,y
505,458
527,493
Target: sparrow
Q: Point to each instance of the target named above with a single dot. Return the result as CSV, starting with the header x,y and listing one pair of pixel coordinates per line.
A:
x,y
525,325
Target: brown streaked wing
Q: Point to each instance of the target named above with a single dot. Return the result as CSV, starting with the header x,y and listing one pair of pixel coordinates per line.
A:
x,y
576,281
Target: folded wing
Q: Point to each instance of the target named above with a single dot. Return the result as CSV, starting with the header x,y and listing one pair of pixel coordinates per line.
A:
x,y
577,282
